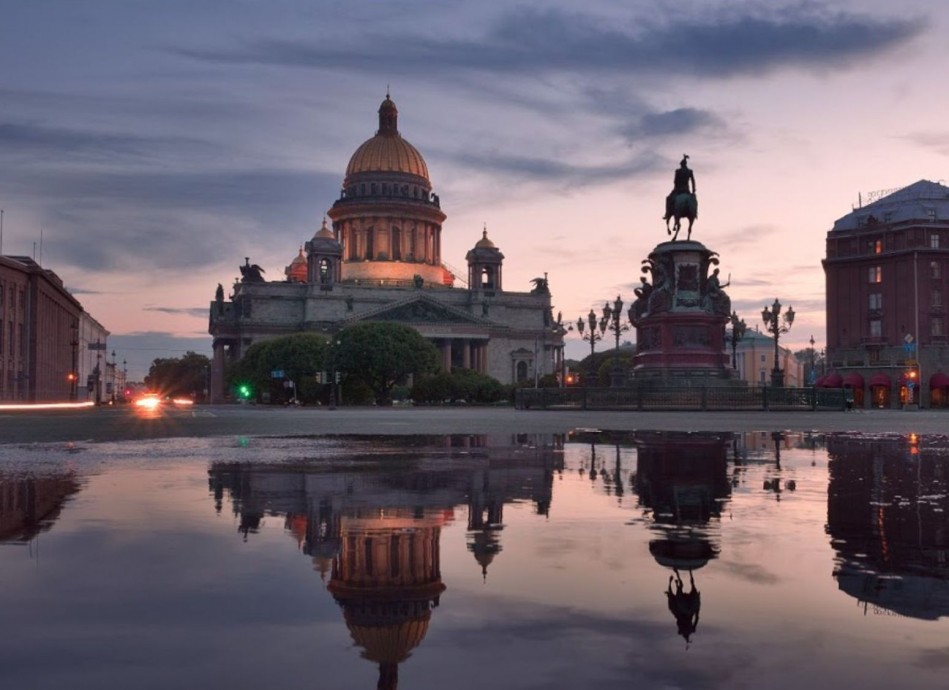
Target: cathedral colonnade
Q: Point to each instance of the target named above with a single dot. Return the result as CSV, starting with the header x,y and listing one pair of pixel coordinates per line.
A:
x,y
464,353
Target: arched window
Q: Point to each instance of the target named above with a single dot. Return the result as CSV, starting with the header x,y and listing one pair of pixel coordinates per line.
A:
x,y
325,271
396,244
522,371
370,245
487,278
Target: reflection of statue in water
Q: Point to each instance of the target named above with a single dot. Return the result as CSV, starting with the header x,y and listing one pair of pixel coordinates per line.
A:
x,y
251,273
684,605
681,202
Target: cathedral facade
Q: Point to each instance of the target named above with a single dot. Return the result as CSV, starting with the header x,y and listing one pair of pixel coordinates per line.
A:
x,y
381,260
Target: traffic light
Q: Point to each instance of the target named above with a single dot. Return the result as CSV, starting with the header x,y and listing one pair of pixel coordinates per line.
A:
x,y
244,391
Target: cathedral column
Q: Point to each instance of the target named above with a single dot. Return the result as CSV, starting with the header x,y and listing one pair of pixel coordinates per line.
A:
x,y
446,355
466,354
217,374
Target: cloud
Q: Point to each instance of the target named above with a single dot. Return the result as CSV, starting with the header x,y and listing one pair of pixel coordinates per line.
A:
x,y
62,145
720,42
557,170
931,141
174,220
676,122
198,312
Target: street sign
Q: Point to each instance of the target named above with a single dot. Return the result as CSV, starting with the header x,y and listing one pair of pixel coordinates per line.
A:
x,y
908,338
276,374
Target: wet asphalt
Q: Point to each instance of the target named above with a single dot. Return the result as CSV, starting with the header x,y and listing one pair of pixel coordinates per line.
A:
x,y
123,423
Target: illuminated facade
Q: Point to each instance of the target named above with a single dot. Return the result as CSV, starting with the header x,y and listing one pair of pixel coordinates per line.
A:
x,y
382,261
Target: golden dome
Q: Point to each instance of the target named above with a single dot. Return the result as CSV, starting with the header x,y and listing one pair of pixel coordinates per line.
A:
x,y
387,151
324,232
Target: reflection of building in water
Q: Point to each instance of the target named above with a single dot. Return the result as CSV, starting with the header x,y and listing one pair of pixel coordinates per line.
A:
x,y
886,515
371,516
30,505
682,479
386,578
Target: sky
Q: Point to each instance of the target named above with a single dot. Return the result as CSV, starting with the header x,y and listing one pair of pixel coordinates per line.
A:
x,y
146,148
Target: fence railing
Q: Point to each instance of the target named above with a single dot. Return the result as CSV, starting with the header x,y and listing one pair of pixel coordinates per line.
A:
x,y
681,398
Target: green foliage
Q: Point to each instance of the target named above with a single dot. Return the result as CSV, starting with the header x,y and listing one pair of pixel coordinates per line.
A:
x,y
383,354
460,385
185,376
299,356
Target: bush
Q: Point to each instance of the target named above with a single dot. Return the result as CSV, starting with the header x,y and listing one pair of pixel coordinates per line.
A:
x,y
460,385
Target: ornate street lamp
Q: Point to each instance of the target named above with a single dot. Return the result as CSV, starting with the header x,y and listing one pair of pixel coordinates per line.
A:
x,y
739,327
812,376
592,337
776,324
612,315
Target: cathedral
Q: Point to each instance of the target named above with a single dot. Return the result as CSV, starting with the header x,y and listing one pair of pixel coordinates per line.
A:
x,y
381,260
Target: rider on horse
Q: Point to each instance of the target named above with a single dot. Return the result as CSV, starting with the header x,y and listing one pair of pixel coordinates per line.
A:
x,y
683,183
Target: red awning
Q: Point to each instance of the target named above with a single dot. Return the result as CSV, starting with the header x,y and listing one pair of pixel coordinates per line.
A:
x,y
853,380
880,380
832,381
939,380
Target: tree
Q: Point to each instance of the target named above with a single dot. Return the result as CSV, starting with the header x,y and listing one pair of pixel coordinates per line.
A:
x,y
299,356
185,376
382,354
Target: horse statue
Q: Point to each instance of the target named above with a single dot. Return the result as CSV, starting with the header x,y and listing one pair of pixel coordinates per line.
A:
x,y
685,206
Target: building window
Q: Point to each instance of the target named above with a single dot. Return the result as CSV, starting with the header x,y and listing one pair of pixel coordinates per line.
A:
x,y
876,301
763,358
875,274
931,214
934,241
935,269
935,327
875,246
887,216
936,300
876,328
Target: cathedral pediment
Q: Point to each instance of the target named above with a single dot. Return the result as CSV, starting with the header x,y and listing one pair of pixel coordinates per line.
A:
x,y
419,310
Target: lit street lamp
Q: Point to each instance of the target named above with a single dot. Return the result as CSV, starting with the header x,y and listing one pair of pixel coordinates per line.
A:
x,y
592,337
612,315
776,324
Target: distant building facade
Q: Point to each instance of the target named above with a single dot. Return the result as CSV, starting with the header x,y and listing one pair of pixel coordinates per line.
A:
x,y
754,361
381,261
39,322
886,267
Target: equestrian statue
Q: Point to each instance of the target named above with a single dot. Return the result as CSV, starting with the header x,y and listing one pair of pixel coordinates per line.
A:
x,y
681,202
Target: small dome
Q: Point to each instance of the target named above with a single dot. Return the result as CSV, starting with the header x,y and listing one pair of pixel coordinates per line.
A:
x,y
296,271
484,242
324,232
387,151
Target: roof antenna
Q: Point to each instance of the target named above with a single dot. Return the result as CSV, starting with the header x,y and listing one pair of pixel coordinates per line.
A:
x,y
387,91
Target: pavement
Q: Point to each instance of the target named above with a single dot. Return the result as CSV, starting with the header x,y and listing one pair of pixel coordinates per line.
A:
x,y
124,423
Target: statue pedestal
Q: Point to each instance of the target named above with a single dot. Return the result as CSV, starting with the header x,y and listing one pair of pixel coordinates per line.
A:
x,y
680,317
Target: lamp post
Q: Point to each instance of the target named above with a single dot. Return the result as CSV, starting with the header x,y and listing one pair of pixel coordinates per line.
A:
x,y
739,327
112,394
74,372
812,377
776,324
592,337
612,315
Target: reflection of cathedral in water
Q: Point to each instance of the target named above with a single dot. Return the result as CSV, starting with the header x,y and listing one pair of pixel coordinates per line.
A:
x,y
30,505
372,524
682,481
886,515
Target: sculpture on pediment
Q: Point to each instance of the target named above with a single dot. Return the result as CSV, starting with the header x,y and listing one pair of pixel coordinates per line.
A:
x,y
251,273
